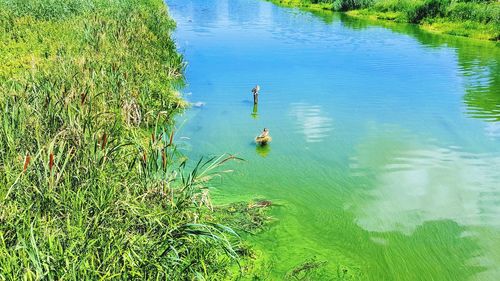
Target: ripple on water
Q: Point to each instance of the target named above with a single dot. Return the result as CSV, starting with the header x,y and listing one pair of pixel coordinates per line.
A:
x,y
418,186
311,122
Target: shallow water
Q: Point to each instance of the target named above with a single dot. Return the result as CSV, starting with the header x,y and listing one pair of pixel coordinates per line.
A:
x,y
385,158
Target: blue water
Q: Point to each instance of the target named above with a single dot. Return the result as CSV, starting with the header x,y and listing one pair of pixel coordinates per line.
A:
x,y
385,159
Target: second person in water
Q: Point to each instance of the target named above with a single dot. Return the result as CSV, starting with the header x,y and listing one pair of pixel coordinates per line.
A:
x,y
264,133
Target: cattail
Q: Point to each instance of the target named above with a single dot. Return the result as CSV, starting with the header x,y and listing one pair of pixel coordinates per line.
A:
x,y
104,141
51,161
164,159
72,151
27,160
83,97
153,137
171,138
144,157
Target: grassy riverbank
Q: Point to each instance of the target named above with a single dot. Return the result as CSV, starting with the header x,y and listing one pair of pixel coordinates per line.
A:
x,y
474,19
91,183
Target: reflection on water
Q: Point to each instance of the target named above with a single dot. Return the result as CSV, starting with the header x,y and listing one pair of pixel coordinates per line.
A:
x,y
478,62
311,121
483,91
416,186
263,150
411,186
444,237
255,111
493,130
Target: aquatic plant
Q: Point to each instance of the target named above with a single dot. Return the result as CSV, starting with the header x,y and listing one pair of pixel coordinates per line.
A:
x,y
249,217
310,269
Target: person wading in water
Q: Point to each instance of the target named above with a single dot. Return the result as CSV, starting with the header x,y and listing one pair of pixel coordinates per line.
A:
x,y
263,138
255,92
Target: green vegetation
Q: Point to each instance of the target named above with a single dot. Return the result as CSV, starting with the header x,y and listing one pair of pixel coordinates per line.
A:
x,y
91,183
475,19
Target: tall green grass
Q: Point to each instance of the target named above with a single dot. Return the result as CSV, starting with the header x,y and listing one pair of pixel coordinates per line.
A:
x,y
476,18
91,183
480,20
417,10
337,5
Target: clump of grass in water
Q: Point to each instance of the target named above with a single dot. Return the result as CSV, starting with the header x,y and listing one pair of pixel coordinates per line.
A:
x,y
306,270
91,183
249,217
314,269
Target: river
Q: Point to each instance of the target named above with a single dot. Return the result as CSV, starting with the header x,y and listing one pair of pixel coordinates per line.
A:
x,y
385,159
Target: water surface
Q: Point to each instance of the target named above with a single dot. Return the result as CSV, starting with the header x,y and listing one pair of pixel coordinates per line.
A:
x,y
385,158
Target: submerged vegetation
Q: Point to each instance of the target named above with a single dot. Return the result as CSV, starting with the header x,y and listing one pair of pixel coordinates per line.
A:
x,y
91,183
479,19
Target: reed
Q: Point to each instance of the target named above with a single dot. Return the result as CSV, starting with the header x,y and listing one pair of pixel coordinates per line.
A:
x,y
85,192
